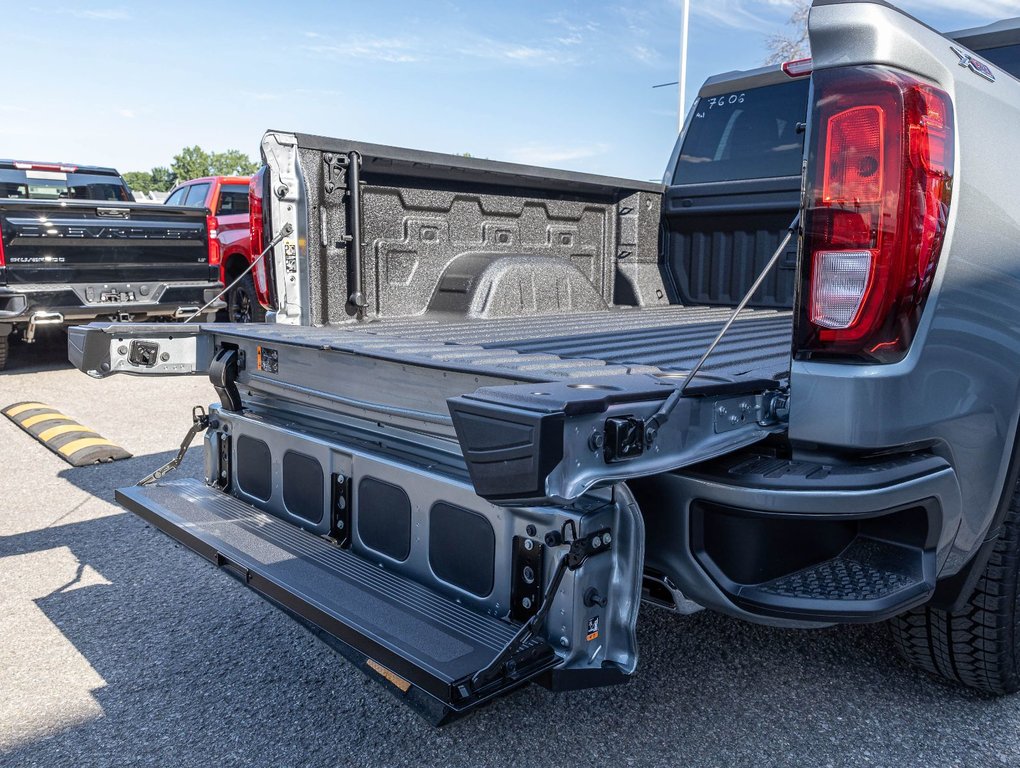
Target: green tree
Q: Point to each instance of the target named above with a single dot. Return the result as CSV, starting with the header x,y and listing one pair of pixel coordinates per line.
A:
x,y
191,163
233,162
139,181
163,178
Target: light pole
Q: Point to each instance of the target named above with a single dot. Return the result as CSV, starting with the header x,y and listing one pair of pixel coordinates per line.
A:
x,y
683,64
682,82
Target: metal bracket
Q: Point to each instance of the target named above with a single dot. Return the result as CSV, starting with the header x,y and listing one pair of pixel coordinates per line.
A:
x,y
526,591
583,548
223,479
736,412
340,510
335,167
765,409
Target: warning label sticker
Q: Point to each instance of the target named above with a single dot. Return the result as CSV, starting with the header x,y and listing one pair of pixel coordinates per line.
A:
x,y
593,628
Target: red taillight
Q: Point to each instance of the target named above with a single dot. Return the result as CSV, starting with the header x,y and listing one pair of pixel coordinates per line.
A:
x,y
22,165
3,259
797,67
853,166
260,273
879,183
212,227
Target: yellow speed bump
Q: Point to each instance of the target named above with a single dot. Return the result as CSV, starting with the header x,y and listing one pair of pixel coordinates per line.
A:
x,y
64,436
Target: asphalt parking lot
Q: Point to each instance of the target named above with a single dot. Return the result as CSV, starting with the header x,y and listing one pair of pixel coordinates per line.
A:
x,y
119,647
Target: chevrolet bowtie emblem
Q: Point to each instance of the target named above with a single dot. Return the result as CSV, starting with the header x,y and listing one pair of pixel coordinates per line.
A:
x,y
975,65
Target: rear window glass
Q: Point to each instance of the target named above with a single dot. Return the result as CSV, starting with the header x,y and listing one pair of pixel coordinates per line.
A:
x,y
20,184
1006,58
750,134
197,195
177,197
233,199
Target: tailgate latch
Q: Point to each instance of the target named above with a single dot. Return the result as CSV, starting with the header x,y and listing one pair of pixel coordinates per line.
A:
x,y
113,213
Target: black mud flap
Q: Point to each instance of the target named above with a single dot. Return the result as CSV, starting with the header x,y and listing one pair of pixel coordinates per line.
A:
x,y
425,647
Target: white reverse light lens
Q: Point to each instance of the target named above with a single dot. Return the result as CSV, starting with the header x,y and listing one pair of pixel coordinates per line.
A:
x,y
839,282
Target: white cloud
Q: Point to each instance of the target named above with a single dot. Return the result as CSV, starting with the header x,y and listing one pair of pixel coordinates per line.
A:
x,y
539,154
395,50
130,114
644,54
518,53
391,50
737,14
101,14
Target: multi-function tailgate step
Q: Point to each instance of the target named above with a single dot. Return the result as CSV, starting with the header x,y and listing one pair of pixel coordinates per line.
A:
x,y
420,636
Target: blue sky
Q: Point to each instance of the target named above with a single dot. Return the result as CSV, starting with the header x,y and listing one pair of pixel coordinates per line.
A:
x,y
559,83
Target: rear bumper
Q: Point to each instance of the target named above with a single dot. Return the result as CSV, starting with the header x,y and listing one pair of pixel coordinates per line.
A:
x,y
84,302
799,543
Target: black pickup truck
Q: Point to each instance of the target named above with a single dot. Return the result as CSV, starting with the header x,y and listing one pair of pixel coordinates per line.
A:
x,y
73,248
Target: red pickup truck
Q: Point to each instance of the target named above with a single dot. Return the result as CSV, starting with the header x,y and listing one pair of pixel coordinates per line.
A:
x,y
226,198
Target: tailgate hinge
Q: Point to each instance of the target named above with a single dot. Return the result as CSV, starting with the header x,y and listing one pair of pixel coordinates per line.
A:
x,y
766,409
223,375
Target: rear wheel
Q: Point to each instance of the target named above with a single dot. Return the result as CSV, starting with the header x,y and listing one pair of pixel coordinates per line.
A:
x,y
243,304
5,345
979,645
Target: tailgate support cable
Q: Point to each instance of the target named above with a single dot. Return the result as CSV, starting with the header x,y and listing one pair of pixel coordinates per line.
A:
x,y
285,230
200,422
580,549
661,416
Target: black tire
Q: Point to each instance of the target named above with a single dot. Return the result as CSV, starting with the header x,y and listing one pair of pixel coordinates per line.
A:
x,y
243,304
976,646
5,345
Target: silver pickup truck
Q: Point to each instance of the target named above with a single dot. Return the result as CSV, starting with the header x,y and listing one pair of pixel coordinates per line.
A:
x,y
498,408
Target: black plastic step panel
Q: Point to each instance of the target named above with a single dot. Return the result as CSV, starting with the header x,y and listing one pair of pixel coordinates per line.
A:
x,y
870,578
432,642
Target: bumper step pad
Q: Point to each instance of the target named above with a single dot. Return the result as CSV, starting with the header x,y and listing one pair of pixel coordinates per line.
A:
x,y
869,577
412,633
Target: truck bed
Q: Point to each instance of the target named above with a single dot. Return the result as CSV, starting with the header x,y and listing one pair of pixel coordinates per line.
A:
x,y
659,339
